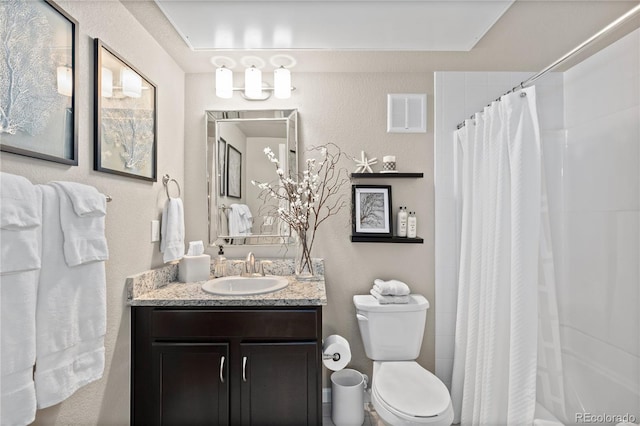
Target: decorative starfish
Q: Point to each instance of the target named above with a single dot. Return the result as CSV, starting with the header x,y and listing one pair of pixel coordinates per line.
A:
x,y
364,165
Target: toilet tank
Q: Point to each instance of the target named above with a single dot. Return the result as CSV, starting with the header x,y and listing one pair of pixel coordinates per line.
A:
x,y
391,332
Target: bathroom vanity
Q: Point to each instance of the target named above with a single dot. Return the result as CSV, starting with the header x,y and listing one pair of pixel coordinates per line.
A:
x,y
198,358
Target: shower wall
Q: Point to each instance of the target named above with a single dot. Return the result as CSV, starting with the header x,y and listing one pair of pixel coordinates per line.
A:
x,y
590,129
598,172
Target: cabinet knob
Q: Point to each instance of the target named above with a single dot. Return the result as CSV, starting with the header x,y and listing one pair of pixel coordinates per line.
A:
x,y
222,369
244,368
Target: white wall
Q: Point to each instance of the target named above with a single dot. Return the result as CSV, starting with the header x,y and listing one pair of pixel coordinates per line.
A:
x,y
457,96
350,110
599,293
135,202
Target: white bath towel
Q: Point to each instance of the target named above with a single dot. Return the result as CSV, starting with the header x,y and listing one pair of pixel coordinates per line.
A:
x,y
240,220
84,239
172,243
389,300
391,287
70,316
20,271
85,199
19,204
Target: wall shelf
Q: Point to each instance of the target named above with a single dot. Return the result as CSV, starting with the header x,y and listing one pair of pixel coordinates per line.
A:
x,y
394,239
385,175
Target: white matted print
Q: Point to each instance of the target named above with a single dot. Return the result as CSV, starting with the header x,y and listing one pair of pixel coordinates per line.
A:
x,y
371,210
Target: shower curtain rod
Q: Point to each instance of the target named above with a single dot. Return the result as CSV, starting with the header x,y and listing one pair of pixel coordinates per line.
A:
x,y
574,51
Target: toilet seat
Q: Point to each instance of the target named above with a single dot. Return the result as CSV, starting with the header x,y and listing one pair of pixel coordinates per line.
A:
x,y
411,392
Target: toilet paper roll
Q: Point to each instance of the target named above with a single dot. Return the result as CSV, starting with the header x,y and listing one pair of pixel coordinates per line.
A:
x,y
336,344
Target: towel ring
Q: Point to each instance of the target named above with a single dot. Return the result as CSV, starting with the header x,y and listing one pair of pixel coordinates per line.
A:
x,y
166,180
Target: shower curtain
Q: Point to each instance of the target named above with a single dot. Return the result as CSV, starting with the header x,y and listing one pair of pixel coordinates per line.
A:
x,y
499,173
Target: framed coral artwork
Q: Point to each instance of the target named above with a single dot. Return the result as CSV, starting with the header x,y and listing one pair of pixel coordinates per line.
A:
x,y
38,81
125,117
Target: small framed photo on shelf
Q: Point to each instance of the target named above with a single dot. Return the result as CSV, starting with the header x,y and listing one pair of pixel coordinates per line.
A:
x,y
371,212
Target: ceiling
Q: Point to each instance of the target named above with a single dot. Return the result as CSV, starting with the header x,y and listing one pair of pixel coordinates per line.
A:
x,y
377,36
346,25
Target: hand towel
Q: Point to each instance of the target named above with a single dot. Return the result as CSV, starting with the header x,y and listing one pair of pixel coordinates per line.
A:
x,y
85,199
18,201
172,243
84,239
20,270
388,300
70,315
240,220
391,287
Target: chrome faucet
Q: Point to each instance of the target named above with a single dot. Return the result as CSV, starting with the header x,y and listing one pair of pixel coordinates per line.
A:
x,y
250,264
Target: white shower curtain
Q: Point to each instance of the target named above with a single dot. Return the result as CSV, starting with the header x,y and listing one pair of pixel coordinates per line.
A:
x,y
500,180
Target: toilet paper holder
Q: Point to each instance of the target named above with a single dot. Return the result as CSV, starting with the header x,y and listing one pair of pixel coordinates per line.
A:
x,y
334,357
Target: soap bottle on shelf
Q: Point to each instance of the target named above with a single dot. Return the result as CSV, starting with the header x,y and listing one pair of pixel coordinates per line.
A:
x,y
402,222
412,225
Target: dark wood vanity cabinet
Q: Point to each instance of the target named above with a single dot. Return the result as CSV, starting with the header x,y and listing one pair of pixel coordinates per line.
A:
x,y
224,366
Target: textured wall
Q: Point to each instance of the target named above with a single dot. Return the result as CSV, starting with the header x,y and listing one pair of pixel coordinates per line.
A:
x,y
349,110
135,202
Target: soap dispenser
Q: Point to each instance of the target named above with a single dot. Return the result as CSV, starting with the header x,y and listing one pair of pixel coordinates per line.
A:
x,y
221,264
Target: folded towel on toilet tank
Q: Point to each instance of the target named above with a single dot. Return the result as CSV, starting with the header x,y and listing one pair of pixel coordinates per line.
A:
x,y
389,300
391,287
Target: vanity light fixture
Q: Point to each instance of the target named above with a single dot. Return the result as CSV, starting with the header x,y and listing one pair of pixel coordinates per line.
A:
x,y
65,80
253,89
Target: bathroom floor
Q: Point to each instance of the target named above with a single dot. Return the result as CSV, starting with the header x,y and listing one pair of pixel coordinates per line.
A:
x,y
370,416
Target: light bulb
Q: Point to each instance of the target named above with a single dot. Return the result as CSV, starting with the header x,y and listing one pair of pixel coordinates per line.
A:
x,y
224,82
107,83
253,83
131,83
282,83
65,80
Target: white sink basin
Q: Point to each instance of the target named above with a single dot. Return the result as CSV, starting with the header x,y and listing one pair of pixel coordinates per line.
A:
x,y
244,286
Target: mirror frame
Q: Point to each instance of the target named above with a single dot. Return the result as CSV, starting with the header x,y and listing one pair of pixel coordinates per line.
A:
x,y
214,174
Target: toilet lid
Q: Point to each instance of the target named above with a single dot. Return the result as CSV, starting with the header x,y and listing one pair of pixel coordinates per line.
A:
x,y
410,389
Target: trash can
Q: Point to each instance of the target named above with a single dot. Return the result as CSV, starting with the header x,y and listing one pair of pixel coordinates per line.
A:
x,y
347,397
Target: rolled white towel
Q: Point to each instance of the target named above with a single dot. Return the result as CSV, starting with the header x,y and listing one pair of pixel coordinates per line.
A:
x,y
391,287
389,300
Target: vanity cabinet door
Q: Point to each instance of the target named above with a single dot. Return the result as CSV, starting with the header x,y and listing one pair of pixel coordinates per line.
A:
x,y
279,383
191,384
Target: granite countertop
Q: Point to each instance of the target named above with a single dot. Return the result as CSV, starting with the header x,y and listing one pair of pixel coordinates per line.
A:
x,y
160,287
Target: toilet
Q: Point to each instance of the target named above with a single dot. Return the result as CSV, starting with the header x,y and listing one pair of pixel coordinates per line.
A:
x,y
403,393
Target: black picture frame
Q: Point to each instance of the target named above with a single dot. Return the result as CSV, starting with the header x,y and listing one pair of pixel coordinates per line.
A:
x,y
371,213
234,172
222,166
125,117
43,122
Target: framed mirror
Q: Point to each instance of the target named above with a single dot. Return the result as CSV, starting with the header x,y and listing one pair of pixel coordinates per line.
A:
x,y
238,212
